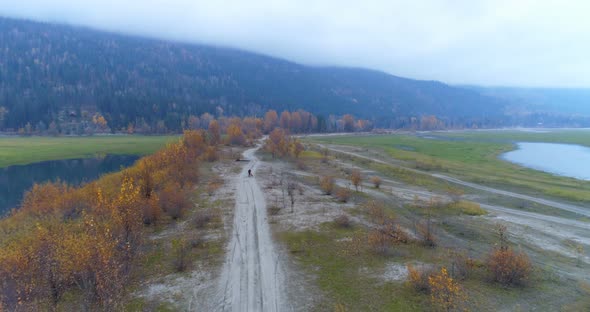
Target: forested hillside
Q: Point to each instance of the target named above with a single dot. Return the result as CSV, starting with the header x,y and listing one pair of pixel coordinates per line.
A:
x,y
56,78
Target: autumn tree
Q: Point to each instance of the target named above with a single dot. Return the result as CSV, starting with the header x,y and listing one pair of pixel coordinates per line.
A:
x,y
285,121
214,133
348,123
297,148
99,121
271,121
235,135
194,122
277,143
295,123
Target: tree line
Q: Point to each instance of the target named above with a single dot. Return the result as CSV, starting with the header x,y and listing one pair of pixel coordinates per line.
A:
x,y
85,240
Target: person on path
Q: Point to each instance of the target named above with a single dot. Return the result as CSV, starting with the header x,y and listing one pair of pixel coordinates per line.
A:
x,y
250,173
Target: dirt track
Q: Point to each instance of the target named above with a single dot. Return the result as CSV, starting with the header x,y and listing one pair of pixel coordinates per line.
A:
x,y
562,206
252,277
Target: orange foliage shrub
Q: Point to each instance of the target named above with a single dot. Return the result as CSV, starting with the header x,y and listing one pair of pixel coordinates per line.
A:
x,y
343,194
327,184
152,212
508,267
211,154
376,181
445,293
418,277
174,200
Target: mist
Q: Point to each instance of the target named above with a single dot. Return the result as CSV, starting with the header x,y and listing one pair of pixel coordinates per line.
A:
x,y
506,43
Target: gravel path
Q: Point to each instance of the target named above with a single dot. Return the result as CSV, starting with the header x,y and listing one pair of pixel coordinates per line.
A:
x,y
252,277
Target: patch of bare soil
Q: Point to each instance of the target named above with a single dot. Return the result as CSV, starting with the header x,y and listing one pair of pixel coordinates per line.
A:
x,y
306,208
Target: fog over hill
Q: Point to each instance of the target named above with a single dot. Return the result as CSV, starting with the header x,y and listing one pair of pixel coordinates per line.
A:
x,y
51,73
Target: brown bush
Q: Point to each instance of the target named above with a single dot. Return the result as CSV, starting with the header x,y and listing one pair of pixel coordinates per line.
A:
x,y
343,194
327,184
445,293
202,218
461,265
301,165
274,210
152,212
174,200
376,181
211,154
381,238
418,277
508,267
378,242
376,211
426,230
181,253
213,186
342,221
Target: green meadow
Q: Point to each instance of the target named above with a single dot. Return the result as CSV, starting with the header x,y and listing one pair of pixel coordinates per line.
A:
x,y
26,150
474,156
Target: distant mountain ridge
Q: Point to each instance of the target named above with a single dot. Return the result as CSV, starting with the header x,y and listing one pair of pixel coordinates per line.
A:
x,y
51,72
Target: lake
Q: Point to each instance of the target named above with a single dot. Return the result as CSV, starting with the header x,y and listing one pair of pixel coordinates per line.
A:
x,y
560,159
16,180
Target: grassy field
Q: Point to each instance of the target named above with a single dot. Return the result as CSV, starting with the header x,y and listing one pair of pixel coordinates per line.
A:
x,y
474,155
26,150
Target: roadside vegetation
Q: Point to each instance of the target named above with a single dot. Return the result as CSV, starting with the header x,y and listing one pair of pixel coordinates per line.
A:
x,y
87,247
474,157
386,251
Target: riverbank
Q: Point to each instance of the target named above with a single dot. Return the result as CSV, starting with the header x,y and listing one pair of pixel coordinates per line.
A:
x,y
27,150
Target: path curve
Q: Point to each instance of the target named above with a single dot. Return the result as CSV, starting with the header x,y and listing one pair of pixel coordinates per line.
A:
x,y
251,279
584,211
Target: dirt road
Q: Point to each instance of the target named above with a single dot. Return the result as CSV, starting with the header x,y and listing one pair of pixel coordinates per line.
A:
x,y
563,206
252,277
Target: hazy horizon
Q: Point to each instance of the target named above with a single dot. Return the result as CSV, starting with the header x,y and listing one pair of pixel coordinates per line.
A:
x,y
528,44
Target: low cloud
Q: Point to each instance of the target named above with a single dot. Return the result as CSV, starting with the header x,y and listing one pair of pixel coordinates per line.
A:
x,y
521,43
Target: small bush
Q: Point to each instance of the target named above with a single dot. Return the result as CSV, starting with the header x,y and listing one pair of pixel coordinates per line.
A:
x,y
343,194
213,186
152,212
418,277
445,293
356,178
327,184
469,208
274,210
174,201
376,211
376,181
426,230
202,218
461,265
211,154
301,165
508,267
180,250
342,221
381,238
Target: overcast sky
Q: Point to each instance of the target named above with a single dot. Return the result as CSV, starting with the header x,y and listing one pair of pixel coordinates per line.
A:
x,y
495,42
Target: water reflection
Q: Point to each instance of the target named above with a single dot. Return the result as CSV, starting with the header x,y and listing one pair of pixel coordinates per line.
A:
x,y
15,180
